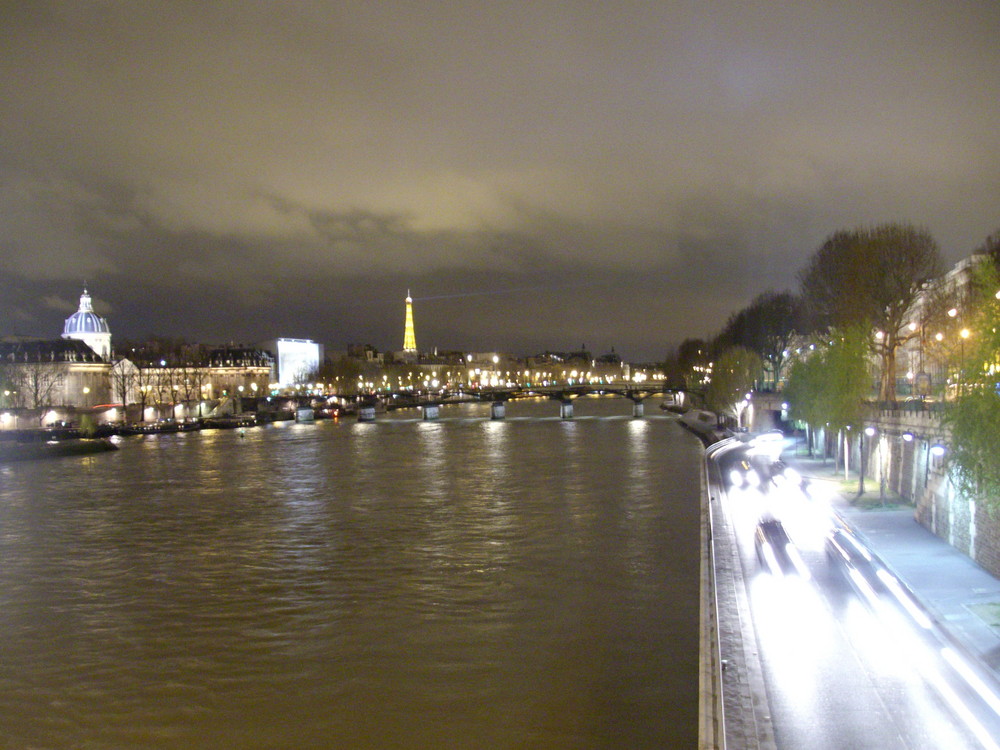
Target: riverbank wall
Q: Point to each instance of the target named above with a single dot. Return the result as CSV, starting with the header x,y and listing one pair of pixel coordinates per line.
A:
x,y
907,457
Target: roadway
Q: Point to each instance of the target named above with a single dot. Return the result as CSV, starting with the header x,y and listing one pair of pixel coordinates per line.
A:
x,y
839,665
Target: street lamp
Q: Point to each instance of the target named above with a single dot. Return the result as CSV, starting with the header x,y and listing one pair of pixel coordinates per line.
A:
x,y
963,334
869,431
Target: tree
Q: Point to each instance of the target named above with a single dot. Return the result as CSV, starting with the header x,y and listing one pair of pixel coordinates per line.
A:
x,y
870,278
975,419
343,374
8,387
765,326
829,387
690,364
124,377
34,383
803,393
733,376
991,247
38,382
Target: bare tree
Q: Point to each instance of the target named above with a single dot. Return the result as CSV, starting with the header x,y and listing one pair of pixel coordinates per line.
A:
x,y
124,382
871,278
37,382
12,398
765,326
144,382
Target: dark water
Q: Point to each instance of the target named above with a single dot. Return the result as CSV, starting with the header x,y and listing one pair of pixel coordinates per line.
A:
x,y
455,584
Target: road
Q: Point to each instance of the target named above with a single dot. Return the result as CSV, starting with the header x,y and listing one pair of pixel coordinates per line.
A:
x,y
843,665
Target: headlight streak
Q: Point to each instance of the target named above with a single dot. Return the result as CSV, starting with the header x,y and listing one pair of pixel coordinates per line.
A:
x,y
961,710
863,586
798,562
771,560
919,654
974,681
892,583
791,618
897,647
899,642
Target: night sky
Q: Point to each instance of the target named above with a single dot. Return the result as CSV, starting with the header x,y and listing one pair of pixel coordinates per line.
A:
x,y
540,175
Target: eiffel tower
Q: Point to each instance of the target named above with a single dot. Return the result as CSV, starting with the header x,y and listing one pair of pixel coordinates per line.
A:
x,y
409,337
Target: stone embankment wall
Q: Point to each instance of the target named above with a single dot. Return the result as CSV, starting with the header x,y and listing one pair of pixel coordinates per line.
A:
x,y
900,453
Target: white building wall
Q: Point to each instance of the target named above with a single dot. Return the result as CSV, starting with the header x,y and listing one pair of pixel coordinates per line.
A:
x,y
296,360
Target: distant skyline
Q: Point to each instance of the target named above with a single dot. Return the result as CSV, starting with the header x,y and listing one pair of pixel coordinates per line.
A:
x,y
539,175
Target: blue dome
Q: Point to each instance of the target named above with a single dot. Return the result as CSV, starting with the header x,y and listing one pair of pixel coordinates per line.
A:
x,y
85,320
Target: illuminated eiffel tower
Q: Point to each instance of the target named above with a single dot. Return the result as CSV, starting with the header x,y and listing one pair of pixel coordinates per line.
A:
x,y
409,337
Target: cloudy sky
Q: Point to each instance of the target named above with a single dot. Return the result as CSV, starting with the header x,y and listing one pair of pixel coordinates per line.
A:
x,y
540,175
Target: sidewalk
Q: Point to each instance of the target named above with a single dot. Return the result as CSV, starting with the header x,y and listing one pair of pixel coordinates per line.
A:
x,y
960,595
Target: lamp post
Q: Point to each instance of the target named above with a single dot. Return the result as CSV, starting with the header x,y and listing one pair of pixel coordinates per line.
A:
x,y
963,335
921,381
863,463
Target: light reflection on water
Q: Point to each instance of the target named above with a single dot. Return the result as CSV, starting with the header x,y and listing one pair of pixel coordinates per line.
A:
x,y
460,583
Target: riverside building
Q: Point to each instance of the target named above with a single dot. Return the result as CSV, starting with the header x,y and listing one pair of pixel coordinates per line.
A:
x,y
70,371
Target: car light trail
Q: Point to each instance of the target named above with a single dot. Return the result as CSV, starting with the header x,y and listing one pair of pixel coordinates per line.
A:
x,y
798,562
892,584
961,710
771,558
959,665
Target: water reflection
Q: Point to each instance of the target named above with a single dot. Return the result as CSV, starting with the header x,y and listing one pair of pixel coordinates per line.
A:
x,y
461,583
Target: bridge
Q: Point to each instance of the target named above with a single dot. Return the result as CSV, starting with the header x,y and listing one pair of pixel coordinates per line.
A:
x,y
367,405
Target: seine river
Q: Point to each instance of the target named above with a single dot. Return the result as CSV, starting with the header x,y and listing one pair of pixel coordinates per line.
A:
x,y
464,583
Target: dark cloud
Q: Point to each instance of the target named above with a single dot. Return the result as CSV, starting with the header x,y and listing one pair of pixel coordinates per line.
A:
x,y
624,175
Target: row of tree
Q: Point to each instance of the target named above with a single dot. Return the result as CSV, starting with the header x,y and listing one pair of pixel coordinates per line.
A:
x,y
31,385
863,295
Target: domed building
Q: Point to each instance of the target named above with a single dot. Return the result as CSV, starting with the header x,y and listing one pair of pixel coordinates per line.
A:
x,y
87,326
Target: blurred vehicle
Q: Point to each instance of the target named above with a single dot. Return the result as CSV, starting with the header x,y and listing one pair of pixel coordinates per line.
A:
x,y
869,578
850,555
760,472
744,475
769,444
783,474
775,551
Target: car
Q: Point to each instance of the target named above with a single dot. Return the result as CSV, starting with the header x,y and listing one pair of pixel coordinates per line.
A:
x,y
758,472
744,475
869,577
776,553
851,556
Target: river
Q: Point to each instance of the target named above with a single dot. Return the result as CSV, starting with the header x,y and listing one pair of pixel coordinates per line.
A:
x,y
461,583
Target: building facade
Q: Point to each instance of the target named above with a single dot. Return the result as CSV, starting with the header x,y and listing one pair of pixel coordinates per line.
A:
x,y
39,374
296,361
